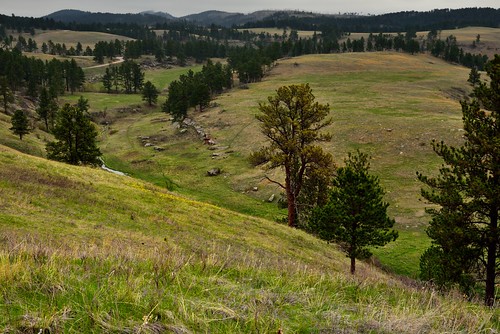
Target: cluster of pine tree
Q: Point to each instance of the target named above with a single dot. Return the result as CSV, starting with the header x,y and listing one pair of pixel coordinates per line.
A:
x,y
30,75
128,76
449,51
197,89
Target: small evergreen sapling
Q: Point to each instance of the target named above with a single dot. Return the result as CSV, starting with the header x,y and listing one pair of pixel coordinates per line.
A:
x,y
355,215
20,125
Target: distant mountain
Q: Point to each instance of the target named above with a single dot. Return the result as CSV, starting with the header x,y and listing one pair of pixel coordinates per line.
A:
x,y
228,19
81,17
160,14
401,21
152,17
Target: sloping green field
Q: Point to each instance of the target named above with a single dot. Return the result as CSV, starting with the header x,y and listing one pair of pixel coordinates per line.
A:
x,y
87,251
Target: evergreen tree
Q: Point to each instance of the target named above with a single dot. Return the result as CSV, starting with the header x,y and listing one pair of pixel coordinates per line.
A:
x,y
20,125
74,75
5,93
76,137
464,229
199,91
150,93
47,108
177,101
355,215
117,78
474,76
107,80
292,121
99,52
79,49
137,77
55,74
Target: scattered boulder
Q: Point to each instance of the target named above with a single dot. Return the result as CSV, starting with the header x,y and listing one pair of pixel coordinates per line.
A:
x,y
271,199
255,189
148,145
213,172
159,149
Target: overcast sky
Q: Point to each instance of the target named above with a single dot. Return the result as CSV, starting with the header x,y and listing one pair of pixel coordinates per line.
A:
x,y
37,8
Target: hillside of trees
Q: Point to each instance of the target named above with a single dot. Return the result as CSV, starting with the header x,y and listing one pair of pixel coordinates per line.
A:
x,y
393,22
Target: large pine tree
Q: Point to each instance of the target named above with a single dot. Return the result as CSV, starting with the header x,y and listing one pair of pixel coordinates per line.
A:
x,y
292,122
76,136
464,228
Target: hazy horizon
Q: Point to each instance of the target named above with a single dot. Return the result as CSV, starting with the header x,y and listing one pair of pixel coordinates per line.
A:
x,y
32,8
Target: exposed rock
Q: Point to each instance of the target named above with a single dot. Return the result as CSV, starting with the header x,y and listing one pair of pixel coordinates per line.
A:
x,y
188,121
148,145
213,172
255,189
271,199
159,149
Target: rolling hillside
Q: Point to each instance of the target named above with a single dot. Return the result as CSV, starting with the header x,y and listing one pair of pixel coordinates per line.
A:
x,y
83,250
168,249
389,105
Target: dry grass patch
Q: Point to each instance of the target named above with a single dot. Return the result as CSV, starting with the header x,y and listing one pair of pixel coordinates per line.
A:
x,y
71,38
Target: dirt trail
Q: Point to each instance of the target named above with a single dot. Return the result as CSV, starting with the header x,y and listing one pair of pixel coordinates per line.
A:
x,y
117,61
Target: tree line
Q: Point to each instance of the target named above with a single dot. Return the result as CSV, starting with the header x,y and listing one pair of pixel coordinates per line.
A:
x,y
127,76
401,21
29,75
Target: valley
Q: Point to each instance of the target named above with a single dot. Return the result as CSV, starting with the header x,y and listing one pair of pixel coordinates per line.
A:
x,y
168,249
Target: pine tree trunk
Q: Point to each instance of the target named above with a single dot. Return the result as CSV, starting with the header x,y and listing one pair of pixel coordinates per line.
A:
x,y
290,198
353,265
489,298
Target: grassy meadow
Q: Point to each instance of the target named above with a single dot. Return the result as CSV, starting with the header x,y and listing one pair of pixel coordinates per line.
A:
x,y
85,251
71,38
389,105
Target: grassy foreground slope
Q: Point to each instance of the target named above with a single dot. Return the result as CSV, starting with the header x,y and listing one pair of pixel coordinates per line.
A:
x,y
83,250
